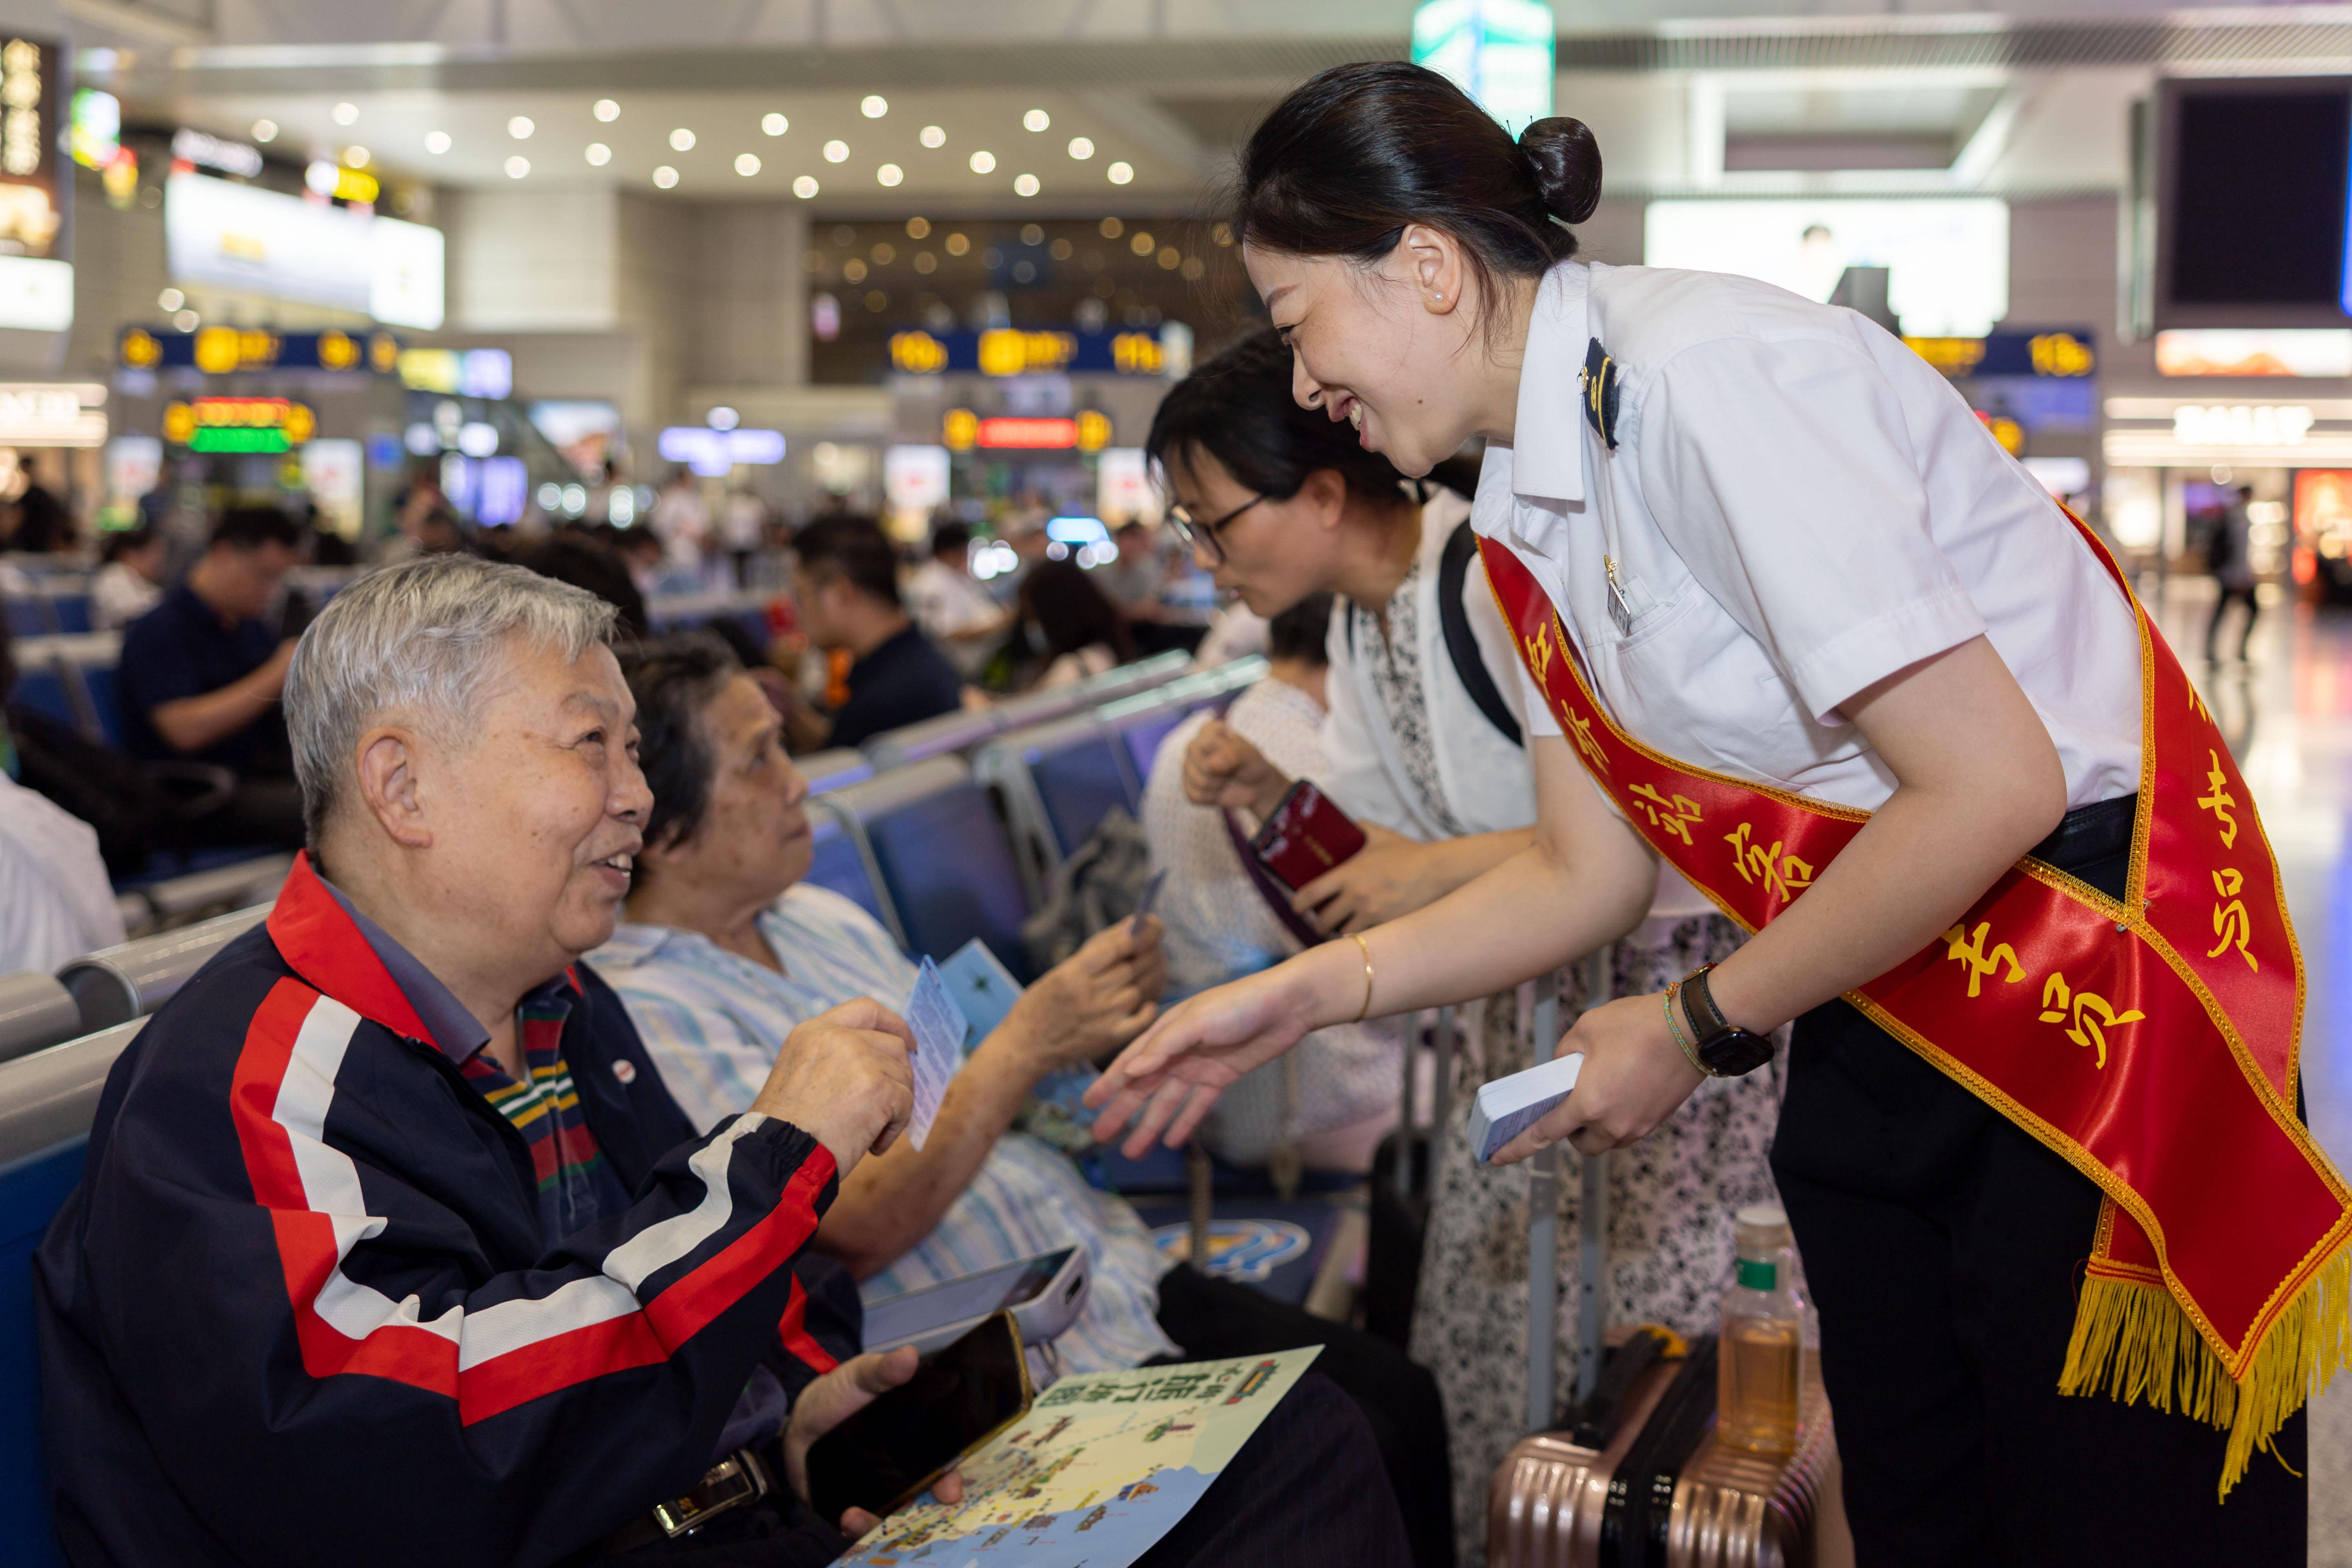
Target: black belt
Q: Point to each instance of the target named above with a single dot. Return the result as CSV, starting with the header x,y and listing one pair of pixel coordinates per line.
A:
x,y
2089,834
736,1481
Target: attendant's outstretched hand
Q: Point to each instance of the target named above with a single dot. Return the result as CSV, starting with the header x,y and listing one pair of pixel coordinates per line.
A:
x,y
1168,1080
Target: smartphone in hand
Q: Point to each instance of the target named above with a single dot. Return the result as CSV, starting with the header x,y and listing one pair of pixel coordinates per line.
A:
x,y
890,1453
1304,835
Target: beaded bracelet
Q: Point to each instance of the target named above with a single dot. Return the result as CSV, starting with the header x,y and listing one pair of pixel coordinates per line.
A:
x,y
1677,1030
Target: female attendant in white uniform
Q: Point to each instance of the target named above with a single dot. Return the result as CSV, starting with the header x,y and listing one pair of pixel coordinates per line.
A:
x,y
1844,665
1423,746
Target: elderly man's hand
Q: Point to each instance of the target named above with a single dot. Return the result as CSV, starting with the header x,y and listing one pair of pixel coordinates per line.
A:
x,y
1095,1000
844,1077
833,1399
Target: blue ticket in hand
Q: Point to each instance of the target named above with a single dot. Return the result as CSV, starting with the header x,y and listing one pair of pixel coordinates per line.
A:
x,y
939,1029
1149,896
1509,1105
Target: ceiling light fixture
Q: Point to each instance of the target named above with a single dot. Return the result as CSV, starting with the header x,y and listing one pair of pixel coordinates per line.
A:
x,y
836,152
889,174
520,127
347,114
874,106
746,164
355,157
983,162
804,187
932,136
1120,172
1036,119
665,176
518,166
1025,185
774,124
1081,149
681,140
607,110
265,131
171,299
436,142
599,155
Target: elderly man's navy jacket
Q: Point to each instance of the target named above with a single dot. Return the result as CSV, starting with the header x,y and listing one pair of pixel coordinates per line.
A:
x,y
300,1310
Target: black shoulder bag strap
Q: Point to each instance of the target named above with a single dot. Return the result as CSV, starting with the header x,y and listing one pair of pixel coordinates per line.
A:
x,y
1461,645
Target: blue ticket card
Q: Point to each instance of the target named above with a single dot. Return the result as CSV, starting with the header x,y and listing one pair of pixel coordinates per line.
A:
x,y
939,1029
1151,896
983,989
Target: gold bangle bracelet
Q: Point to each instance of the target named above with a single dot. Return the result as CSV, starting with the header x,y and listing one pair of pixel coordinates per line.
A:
x,y
1366,949
1672,991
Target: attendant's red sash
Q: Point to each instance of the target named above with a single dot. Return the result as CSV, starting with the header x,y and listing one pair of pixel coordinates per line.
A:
x,y
2152,1043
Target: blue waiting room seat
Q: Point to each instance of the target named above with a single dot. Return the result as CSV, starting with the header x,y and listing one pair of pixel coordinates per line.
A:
x,y
841,861
46,1103
943,856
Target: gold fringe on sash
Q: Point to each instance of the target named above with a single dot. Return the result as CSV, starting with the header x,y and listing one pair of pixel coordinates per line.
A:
x,y
2132,1342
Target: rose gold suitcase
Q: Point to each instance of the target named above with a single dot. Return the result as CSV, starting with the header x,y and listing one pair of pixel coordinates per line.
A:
x,y
1548,1504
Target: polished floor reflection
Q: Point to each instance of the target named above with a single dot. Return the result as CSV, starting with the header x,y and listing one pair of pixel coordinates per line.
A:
x,y
2287,711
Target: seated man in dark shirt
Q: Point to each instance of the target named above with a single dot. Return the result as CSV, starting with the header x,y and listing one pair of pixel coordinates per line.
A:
x,y
846,584
201,672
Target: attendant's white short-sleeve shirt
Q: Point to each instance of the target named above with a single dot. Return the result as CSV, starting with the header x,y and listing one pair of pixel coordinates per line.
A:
x,y
1798,507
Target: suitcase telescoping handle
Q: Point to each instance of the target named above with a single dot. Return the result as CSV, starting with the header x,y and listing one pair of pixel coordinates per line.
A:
x,y
1543,1228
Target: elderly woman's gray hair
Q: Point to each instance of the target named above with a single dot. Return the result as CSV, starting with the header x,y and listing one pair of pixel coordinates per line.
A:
x,y
422,643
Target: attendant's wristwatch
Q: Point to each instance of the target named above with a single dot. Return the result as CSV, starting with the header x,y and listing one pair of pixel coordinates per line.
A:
x,y
1723,1047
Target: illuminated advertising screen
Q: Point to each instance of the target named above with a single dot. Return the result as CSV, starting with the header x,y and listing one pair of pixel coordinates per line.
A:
x,y
1500,52
257,241
1947,259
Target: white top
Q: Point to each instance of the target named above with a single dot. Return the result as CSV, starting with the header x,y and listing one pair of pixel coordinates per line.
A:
x,y
1472,779
118,596
1483,782
56,903
1798,507
1079,664
744,523
1220,927
945,601
1236,631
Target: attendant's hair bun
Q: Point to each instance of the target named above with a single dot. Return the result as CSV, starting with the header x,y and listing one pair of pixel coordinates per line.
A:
x,y
1567,164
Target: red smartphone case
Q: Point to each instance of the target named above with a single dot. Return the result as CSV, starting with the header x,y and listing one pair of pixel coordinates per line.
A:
x,y
1305,836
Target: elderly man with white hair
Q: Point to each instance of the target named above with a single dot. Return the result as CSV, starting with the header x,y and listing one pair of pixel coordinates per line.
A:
x,y
390,1245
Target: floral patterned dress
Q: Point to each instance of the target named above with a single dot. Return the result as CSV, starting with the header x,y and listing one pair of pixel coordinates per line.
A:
x,y
1671,1200
1672,1196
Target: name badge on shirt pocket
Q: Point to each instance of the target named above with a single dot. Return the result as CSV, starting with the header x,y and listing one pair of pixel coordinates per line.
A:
x,y
1629,597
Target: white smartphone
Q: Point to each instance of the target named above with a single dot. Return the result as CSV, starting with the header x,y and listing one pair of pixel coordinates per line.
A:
x,y
1043,1293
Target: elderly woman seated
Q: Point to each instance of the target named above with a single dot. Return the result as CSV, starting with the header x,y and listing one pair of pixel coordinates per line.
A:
x,y
722,953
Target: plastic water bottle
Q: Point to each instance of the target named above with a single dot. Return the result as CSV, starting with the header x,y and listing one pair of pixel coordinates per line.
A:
x,y
1763,1346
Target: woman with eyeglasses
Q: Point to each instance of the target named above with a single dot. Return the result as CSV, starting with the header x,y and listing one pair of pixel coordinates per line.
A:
x,y
1425,748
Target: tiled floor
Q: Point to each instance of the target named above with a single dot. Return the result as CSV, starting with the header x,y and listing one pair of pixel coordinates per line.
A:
x,y
2288,714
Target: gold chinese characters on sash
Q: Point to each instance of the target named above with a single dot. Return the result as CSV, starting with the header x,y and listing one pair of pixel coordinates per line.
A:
x,y
2151,1042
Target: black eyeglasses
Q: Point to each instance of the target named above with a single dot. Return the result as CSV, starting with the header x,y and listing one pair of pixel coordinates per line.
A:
x,y
1197,535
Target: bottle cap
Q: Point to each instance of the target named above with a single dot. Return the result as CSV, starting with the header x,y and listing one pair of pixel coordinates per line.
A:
x,y
1762,1231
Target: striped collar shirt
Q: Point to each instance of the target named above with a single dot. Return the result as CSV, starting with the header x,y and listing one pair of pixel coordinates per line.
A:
x,y
712,1021
575,1186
